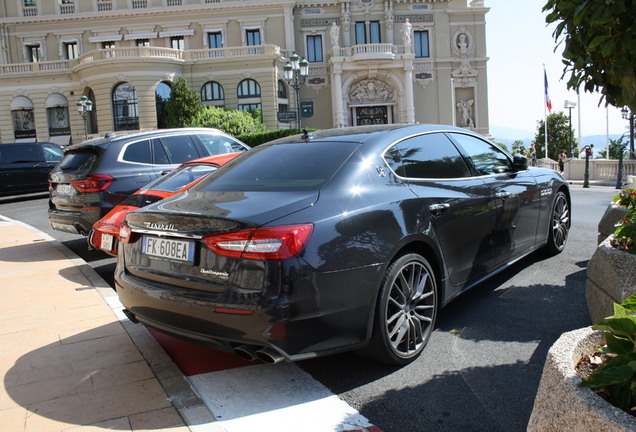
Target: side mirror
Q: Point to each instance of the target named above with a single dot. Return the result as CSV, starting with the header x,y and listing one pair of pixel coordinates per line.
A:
x,y
519,162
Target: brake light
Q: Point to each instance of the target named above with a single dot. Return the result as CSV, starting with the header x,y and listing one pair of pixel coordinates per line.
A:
x,y
270,243
93,183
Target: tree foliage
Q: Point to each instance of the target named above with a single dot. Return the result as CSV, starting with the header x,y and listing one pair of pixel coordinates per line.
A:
x,y
558,136
232,122
183,105
599,39
615,149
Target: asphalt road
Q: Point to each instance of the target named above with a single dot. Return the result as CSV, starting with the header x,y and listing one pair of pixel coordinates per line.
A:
x,y
481,369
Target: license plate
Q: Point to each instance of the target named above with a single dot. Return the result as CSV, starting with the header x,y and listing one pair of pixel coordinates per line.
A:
x,y
170,249
107,242
64,189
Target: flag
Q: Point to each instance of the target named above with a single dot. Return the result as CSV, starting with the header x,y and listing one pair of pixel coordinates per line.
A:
x,y
548,102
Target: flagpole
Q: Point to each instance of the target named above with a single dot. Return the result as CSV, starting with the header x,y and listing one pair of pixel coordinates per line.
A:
x,y
545,114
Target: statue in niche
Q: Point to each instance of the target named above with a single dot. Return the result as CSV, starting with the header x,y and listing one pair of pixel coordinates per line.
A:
x,y
406,32
465,109
462,44
335,35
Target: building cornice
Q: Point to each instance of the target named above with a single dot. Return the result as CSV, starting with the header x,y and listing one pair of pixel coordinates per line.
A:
x,y
188,10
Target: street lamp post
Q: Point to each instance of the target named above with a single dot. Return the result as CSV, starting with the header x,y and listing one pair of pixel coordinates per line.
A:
x,y
296,70
629,115
84,106
569,105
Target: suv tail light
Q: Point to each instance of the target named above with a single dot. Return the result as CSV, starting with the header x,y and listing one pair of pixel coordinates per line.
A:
x,y
93,183
269,243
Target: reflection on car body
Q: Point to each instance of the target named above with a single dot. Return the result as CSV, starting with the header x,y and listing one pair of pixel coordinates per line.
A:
x,y
348,239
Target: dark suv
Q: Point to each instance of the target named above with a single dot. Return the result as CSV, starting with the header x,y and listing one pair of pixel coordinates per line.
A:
x,y
96,175
24,167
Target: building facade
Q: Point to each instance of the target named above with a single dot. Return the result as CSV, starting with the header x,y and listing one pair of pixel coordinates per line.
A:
x,y
370,62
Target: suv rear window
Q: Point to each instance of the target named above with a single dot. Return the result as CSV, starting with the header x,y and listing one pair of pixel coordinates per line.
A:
x,y
281,167
77,161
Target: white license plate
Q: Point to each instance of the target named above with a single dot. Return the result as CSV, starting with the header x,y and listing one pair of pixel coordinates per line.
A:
x,y
107,242
64,189
172,250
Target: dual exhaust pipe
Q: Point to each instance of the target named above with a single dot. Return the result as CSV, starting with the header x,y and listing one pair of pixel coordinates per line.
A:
x,y
246,352
253,352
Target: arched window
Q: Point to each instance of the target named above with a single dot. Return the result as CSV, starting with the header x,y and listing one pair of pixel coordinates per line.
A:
x,y
125,109
162,94
282,90
283,102
249,91
57,116
23,118
91,120
212,94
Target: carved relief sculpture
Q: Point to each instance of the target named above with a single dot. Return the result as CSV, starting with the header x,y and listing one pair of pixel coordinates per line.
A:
x,y
370,91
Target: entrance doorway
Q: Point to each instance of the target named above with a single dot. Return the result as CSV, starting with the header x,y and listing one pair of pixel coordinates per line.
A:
x,y
371,115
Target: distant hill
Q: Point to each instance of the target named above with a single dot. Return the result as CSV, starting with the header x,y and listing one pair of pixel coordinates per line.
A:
x,y
507,136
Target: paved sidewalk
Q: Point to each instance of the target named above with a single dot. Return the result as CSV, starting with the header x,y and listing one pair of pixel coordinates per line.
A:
x,y
69,360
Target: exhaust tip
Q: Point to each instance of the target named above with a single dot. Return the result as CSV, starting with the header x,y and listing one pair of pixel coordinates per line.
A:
x,y
246,352
130,316
268,355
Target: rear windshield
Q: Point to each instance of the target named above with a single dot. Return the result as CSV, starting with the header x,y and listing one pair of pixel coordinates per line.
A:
x,y
179,178
77,161
281,167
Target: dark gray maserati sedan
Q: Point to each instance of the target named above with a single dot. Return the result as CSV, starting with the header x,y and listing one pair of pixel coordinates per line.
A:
x,y
343,239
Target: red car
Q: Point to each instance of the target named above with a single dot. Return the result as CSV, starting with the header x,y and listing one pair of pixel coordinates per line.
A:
x,y
105,232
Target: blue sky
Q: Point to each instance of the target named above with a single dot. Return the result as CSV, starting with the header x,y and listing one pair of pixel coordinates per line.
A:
x,y
519,43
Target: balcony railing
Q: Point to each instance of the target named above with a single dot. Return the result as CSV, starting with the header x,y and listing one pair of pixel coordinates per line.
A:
x,y
139,4
174,2
140,52
67,9
29,11
381,51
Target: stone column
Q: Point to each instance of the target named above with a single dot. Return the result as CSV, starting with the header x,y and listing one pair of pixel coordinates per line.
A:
x,y
336,93
408,92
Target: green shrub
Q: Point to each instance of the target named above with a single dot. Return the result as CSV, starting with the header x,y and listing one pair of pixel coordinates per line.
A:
x,y
626,198
232,122
618,375
254,139
625,234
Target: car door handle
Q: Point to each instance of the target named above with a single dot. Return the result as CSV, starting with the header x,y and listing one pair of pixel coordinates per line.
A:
x,y
438,209
503,195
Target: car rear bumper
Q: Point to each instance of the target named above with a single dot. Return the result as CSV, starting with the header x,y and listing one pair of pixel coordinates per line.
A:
x,y
77,222
295,326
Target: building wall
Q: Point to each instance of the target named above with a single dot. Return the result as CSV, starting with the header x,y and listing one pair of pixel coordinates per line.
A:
x,y
351,81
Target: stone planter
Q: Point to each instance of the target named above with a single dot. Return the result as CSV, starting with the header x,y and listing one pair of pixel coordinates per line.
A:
x,y
561,405
612,215
611,278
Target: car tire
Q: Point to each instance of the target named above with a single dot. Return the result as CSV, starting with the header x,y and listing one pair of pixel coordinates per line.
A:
x,y
560,219
405,311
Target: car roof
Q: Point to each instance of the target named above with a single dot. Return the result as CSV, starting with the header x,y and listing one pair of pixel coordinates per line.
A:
x,y
114,137
362,134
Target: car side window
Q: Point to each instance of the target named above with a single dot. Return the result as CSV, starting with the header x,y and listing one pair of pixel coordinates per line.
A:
x,y
138,152
52,153
431,156
20,154
219,144
487,159
179,148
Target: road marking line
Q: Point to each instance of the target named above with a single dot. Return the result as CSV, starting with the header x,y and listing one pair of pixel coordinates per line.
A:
x,y
279,397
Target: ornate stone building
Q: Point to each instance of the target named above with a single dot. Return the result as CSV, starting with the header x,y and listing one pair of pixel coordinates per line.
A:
x,y
370,61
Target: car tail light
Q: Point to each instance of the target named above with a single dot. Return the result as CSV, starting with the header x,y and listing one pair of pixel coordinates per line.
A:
x,y
93,183
125,233
270,243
